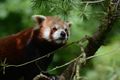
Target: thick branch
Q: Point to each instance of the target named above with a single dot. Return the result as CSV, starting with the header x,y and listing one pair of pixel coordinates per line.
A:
x,y
99,36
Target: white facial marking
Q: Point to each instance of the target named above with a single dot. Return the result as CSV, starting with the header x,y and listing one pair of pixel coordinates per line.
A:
x,y
46,34
56,26
56,35
58,41
65,27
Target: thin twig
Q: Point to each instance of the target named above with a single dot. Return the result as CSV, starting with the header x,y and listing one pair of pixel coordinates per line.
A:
x,y
94,56
75,42
92,2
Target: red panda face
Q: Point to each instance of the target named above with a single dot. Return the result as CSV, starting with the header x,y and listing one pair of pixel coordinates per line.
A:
x,y
53,29
60,33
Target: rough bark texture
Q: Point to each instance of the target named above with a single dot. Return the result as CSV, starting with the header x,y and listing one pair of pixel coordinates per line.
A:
x,y
95,41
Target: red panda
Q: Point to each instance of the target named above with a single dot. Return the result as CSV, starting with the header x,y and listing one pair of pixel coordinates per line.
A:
x,y
49,34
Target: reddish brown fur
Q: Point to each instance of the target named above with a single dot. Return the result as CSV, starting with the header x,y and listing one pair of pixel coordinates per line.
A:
x,y
10,47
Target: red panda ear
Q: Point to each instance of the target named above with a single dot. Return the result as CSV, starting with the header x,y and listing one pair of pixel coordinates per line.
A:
x,y
38,18
69,23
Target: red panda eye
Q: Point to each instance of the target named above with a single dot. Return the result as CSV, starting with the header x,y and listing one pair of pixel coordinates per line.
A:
x,y
54,29
66,30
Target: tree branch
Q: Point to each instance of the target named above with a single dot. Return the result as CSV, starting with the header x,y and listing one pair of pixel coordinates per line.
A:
x,y
98,37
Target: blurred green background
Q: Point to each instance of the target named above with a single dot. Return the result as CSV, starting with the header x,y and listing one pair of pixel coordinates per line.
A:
x,y
15,15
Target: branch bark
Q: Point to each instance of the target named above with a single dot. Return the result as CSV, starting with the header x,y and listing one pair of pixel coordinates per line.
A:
x,y
95,41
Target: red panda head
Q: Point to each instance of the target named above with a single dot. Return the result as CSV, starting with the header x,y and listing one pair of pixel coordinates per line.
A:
x,y
52,29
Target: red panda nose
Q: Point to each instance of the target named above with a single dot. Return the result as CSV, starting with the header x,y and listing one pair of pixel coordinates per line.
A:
x,y
63,34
